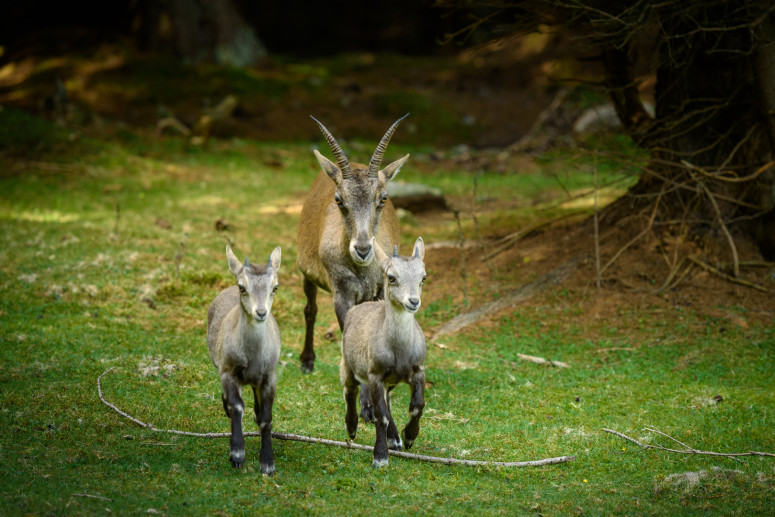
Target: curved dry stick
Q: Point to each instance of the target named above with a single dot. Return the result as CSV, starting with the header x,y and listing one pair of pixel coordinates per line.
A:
x,y
347,445
687,450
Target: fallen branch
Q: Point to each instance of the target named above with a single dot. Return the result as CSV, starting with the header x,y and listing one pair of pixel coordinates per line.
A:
x,y
347,445
687,449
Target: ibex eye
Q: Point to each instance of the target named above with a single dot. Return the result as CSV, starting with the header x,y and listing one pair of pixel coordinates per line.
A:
x,y
242,289
338,199
274,289
391,279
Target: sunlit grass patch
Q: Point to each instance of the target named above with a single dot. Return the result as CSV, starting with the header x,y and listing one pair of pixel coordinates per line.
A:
x,y
114,265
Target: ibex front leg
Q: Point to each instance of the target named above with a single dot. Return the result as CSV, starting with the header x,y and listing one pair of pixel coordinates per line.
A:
x,y
381,422
310,314
263,408
235,408
416,405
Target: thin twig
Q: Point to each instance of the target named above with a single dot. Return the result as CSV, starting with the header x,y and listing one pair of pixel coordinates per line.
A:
x,y
636,238
725,276
687,450
475,219
730,240
512,238
347,445
540,360
598,281
461,241
92,496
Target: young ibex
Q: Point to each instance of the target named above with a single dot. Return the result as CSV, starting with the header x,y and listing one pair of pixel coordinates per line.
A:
x,y
383,345
346,210
244,343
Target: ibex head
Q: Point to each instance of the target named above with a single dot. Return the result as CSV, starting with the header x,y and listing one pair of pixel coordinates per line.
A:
x,y
360,193
404,276
257,284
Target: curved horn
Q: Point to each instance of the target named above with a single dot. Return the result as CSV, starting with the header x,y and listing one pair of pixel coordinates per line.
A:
x,y
376,160
395,250
341,159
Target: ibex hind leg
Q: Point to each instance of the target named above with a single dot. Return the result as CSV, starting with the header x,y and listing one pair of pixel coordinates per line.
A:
x,y
393,439
307,357
351,415
367,408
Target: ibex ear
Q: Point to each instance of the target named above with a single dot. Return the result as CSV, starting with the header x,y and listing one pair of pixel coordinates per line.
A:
x,y
391,170
419,248
382,258
330,167
274,259
234,263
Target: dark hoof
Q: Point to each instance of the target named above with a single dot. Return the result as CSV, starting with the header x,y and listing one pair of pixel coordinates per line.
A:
x,y
237,459
367,414
407,443
269,470
307,367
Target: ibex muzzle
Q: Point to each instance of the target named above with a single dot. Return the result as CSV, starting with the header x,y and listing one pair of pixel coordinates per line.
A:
x,y
346,215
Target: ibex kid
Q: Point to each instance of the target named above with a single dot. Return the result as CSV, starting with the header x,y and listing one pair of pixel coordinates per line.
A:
x,y
383,345
244,343
346,210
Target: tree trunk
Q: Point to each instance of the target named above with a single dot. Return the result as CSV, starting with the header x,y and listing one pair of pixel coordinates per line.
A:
x,y
711,142
197,31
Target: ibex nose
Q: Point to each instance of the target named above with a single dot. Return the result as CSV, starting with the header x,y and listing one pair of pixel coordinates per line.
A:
x,y
260,314
413,303
363,251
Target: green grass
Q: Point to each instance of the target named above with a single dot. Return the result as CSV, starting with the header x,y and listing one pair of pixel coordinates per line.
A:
x,y
92,227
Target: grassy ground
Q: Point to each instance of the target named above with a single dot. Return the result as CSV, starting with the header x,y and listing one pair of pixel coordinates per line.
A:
x,y
109,258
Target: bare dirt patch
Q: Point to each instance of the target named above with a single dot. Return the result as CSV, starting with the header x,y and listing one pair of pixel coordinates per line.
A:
x,y
653,274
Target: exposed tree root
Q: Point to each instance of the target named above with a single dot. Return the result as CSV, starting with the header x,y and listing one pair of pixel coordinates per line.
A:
x,y
552,278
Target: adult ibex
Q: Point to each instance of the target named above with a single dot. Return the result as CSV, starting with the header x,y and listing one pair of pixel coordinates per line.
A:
x,y
346,214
